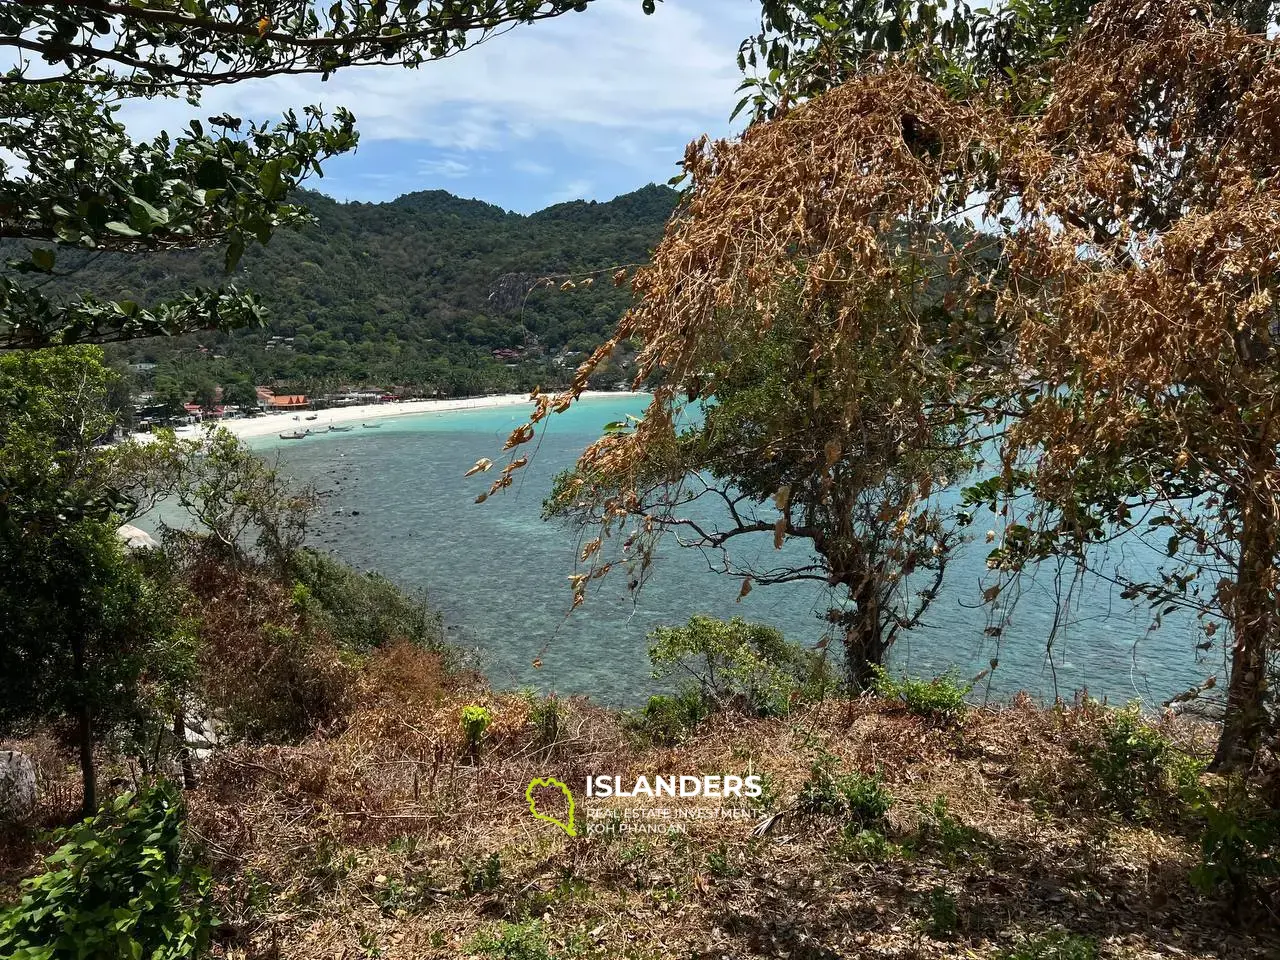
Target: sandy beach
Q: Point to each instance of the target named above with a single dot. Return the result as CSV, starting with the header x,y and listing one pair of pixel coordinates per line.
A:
x,y
271,424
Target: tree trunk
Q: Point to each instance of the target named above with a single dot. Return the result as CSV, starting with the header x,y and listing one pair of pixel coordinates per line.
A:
x,y
84,728
1252,616
184,751
88,775
864,639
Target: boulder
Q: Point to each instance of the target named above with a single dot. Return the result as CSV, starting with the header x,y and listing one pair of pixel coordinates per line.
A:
x,y
17,785
136,538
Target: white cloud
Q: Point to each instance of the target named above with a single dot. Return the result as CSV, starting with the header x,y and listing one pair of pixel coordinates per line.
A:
x,y
532,168
609,82
573,190
443,167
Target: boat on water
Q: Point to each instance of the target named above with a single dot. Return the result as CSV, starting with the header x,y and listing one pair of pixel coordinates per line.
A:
x,y
314,416
296,435
333,429
369,426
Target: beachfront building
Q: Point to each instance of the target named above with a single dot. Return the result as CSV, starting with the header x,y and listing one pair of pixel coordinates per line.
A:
x,y
288,401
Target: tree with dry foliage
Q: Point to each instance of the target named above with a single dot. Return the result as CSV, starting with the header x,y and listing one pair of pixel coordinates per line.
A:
x,y
1131,344
787,437
1144,271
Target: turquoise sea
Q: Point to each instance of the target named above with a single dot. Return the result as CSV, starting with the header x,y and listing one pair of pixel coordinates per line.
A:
x,y
395,501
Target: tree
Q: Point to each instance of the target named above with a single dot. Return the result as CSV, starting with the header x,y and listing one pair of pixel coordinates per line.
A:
x,y
236,498
806,47
1128,357
1152,324
85,637
55,405
204,394
844,453
242,394
170,396
73,177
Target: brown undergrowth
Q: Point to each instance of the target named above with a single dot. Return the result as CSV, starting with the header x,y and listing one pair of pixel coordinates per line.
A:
x,y
383,838
381,842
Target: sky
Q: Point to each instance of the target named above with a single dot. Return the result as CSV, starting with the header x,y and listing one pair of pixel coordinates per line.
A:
x,y
586,106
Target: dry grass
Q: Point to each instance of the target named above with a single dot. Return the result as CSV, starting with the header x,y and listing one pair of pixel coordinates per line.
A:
x,y
382,841
375,843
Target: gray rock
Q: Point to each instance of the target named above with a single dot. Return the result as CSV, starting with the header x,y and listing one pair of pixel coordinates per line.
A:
x,y
17,785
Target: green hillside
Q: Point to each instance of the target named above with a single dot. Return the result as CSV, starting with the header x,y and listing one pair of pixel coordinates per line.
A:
x,y
420,291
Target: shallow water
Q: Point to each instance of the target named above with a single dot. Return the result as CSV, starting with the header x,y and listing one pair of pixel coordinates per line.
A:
x,y
396,502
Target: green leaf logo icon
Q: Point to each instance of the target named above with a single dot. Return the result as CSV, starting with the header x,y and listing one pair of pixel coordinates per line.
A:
x,y
533,806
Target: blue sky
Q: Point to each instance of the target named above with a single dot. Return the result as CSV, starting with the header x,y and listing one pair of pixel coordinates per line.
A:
x,y
589,105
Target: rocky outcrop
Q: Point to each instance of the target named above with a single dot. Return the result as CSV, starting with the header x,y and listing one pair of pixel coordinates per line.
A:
x,y
17,785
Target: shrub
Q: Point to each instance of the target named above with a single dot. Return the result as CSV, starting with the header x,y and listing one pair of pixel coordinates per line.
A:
x,y
736,664
117,886
941,829
669,719
265,673
361,612
481,875
1238,845
720,863
860,798
940,698
1139,773
513,941
944,914
546,714
475,721
867,846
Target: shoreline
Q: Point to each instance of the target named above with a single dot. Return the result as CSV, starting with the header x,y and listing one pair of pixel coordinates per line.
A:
x,y
274,424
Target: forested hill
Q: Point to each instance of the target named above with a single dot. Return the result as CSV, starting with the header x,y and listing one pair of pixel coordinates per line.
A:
x,y
420,290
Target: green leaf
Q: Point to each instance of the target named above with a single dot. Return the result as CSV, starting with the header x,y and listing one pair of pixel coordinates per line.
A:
x,y
115,226
235,250
43,258
145,216
269,179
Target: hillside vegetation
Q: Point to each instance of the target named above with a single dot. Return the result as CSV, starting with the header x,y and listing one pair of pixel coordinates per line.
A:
x,y
420,290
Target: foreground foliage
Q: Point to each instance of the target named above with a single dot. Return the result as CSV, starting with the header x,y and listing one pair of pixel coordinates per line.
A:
x,y
120,884
71,175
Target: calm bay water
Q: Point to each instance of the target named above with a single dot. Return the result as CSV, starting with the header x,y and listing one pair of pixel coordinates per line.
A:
x,y
396,502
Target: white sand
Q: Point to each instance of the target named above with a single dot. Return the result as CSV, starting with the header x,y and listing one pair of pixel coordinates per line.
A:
x,y
277,423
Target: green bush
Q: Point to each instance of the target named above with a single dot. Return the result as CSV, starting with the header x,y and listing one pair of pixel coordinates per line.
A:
x,y
861,799
940,830
1239,845
940,698
546,714
513,941
481,875
944,914
867,846
733,664
361,612
669,719
118,885
1140,775
475,721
